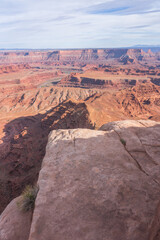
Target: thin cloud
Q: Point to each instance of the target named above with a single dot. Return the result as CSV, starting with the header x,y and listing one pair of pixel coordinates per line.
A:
x,y
78,24
139,27
60,19
124,7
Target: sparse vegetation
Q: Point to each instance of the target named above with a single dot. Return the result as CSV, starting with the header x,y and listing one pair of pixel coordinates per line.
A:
x,y
28,198
94,126
123,141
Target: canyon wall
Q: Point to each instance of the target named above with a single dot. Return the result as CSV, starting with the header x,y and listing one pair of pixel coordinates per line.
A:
x,y
80,56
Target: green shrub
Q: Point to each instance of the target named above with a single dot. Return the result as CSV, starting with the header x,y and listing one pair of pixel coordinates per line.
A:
x,y
28,198
123,141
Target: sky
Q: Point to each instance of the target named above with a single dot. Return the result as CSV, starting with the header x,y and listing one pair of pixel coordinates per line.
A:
x,y
42,24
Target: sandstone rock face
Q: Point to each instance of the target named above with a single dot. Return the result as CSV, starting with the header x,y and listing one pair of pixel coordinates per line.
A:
x,y
155,227
36,100
80,56
142,100
13,68
115,77
23,145
93,185
14,225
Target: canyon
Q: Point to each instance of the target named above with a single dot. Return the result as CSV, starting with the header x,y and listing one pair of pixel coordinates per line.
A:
x,y
93,186
42,91
80,56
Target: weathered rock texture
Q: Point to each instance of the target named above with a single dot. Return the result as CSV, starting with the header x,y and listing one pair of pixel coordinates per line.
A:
x,y
24,142
98,185
20,162
142,100
155,227
125,56
112,77
14,224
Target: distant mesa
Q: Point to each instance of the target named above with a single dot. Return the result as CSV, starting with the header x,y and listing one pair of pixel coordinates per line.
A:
x,y
80,56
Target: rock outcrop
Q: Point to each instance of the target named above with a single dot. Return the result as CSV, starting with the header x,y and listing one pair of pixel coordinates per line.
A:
x,y
154,233
14,224
142,100
23,145
27,118
80,56
13,68
97,184
112,77
22,102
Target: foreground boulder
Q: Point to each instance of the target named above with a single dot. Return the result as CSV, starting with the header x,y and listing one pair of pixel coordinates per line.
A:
x,y
15,224
98,185
154,233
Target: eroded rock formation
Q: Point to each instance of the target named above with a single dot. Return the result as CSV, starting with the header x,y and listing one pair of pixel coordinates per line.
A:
x,y
23,145
96,184
81,56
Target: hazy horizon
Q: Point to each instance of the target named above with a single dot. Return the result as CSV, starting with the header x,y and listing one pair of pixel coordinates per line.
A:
x,y
52,49
34,24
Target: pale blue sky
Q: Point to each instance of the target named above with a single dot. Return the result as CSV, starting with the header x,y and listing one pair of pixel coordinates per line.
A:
x,y
79,23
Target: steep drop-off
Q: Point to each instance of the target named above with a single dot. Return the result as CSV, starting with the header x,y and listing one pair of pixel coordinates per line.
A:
x,y
23,140
93,185
23,145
